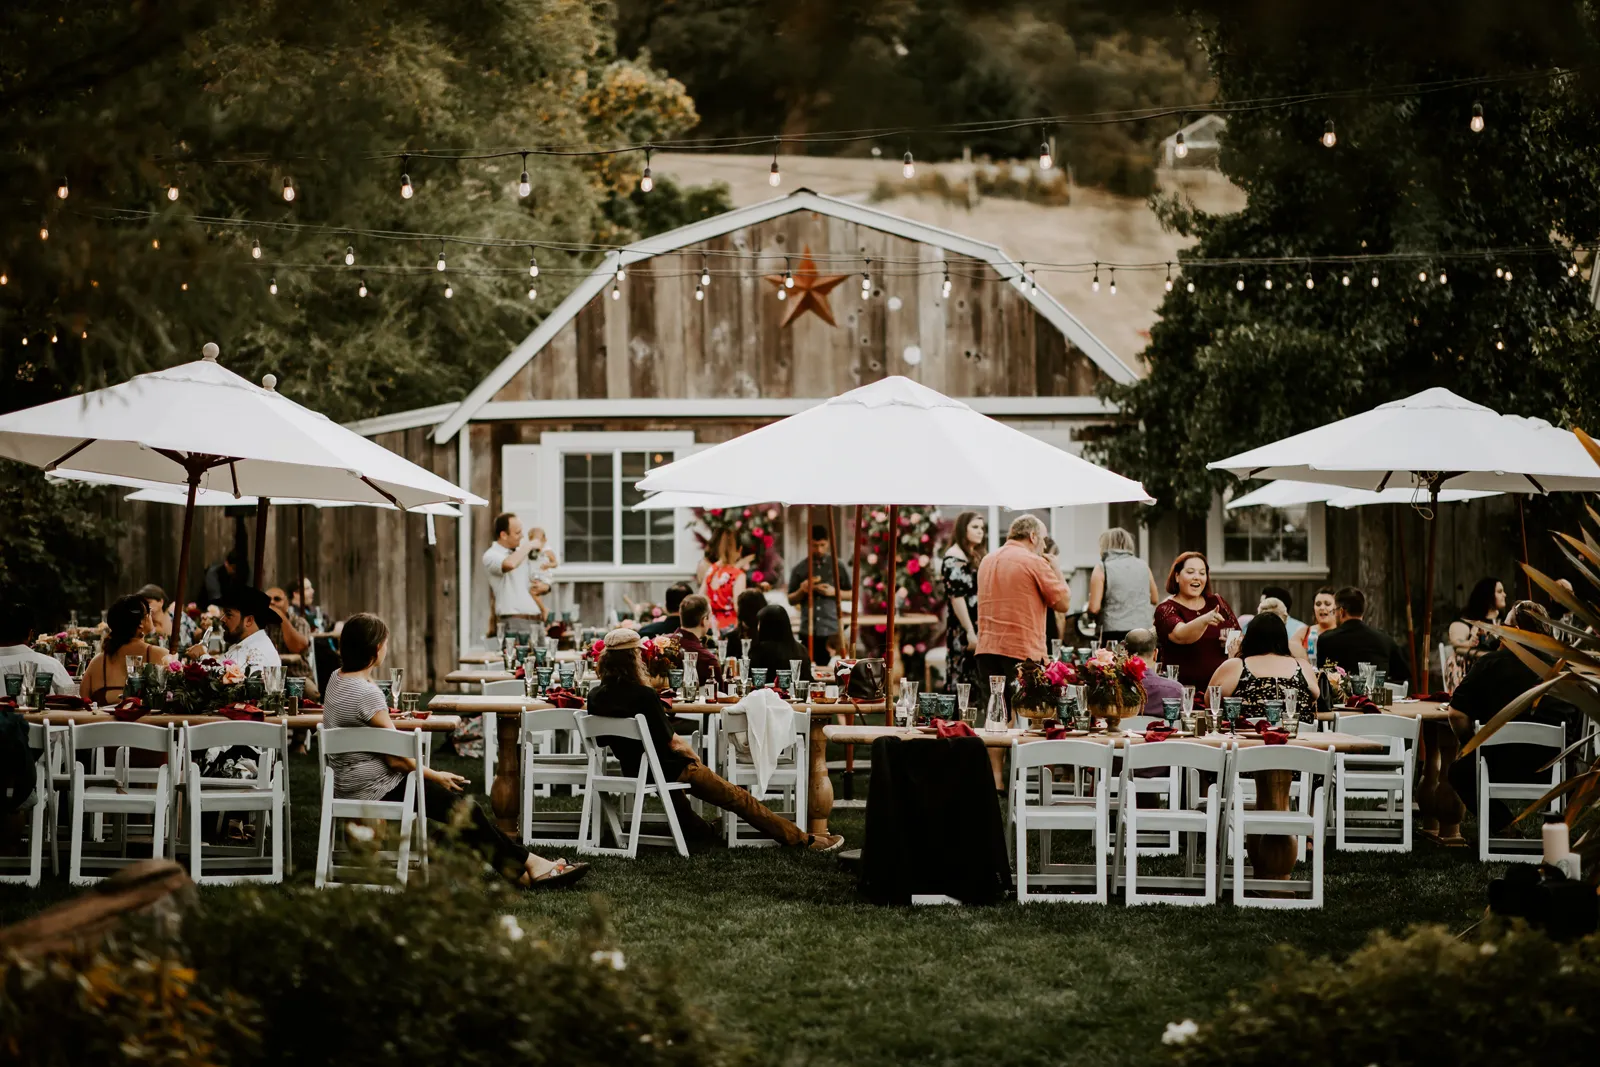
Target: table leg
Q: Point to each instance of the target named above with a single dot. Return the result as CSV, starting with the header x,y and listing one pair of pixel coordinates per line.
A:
x,y
1441,809
506,795
819,793
849,780
1271,855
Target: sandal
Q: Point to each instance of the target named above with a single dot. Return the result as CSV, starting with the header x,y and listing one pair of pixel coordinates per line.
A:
x,y
563,873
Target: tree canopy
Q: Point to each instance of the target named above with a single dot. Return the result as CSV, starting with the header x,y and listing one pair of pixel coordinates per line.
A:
x,y
1232,369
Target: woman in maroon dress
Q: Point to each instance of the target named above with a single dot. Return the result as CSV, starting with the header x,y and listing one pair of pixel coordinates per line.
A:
x,y
1191,620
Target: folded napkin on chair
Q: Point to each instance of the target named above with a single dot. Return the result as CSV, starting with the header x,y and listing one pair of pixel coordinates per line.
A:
x,y
771,730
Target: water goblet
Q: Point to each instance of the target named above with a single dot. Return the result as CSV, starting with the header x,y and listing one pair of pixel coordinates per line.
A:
x,y
408,703
785,678
758,677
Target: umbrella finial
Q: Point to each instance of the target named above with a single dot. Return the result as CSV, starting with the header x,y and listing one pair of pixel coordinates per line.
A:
x,y
211,351
269,382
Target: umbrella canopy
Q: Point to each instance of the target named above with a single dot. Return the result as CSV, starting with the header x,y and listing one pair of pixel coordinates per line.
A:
x,y
1432,439
667,501
250,441
1288,494
162,493
843,452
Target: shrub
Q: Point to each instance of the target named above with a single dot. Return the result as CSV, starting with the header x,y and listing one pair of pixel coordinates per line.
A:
x,y
1426,998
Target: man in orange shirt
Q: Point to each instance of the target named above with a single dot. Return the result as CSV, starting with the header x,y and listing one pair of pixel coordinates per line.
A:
x,y
1016,586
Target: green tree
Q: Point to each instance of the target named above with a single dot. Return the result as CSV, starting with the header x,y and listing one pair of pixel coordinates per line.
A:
x,y
1230,370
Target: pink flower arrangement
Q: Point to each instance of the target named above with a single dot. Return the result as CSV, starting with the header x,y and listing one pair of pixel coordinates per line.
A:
x,y
758,576
927,587
913,566
232,673
1136,667
595,651
1061,673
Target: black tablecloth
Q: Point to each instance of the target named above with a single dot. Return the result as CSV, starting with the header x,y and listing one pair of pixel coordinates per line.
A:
x,y
933,823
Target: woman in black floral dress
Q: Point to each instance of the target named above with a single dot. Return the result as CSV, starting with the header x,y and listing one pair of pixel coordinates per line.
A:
x,y
959,570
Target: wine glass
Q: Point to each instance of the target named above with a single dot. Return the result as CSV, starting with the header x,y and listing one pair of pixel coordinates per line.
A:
x,y
1188,708
794,669
964,700
1170,671
1213,699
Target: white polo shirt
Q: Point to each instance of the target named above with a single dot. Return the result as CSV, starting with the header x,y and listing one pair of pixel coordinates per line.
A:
x,y
511,596
13,656
254,651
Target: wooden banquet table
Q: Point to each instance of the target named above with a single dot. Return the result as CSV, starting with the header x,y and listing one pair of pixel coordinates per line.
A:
x,y
478,677
1271,855
305,721
505,796
1438,747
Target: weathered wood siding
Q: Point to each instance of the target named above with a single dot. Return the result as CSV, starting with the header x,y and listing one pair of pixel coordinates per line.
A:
x,y
656,340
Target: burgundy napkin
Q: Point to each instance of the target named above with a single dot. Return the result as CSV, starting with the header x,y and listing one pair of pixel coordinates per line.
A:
x,y
309,705
1055,733
519,673
129,709
241,711
1364,704
563,698
952,728
1158,731
1270,734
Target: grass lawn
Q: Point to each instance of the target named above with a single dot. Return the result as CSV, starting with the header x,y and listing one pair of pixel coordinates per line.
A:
x,y
779,948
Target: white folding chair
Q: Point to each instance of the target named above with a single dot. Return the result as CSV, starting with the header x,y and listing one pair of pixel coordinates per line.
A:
x,y
1516,849
1386,778
1188,813
119,793
266,794
42,806
411,811
1165,786
787,786
1300,760
514,687
596,731
1063,810
542,769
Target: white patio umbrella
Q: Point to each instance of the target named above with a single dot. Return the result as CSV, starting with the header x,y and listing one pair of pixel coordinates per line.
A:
x,y
201,426
842,452
673,500
1434,440
1289,494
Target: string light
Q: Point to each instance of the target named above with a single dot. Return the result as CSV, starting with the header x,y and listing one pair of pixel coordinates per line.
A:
x,y
705,275
1499,272
24,341
1475,124
1033,285
84,336
1374,279
533,266
362,289
449,291
155,242
272,286
699,292
62,190
406,190
524,186
1572,270
5,279
255,249
1168,285
646,183
172,191
772,175
1344,279
1179,149
1311,283
184,287
1045,160
1113,281
907,167
349,255
533,293
1422,275
783,294
1329,138
440,263
944,289
53,337
616,292
44,233
622,272
288,190
1094,286
1268,283
1508,274
1444,279
788,278
1190,287
866,279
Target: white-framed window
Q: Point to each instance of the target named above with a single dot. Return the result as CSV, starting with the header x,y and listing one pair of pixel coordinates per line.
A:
x,y
1267,540
580,489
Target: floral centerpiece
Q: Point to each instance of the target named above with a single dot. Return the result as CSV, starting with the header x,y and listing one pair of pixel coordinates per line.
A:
x,y
1038,690
68,643
660,655
200,688
1113,685
756,528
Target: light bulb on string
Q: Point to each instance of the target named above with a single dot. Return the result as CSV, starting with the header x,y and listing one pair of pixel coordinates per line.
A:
x,y
699,292
646,182
1374,279
406,189
255,249
24,341
1311,283
272,286
449,291
1033,285
1508,275
1168,284
622,273
1499,272
533,266
772,176
1189,287
1179,149
44,233
1444,279
1344,279
1475,124
788,277
1329,138
349,255
5,279
533,293
944,289
1268,283
616,291
362,289
61,190
705,275
53,337
1046,161
783,294
1113,281
1422,275
1094,285
1239,285
155,242
172,191
524,186
907,167
184,287
288,190
1572,270
866,279
83,336
440,264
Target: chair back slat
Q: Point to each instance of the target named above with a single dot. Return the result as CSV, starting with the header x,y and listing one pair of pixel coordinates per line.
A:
x,y
511,688
1062,753
1542,734
226,734
338,740
1381,725
596,727
1189,754
1303,759
136,735
534,722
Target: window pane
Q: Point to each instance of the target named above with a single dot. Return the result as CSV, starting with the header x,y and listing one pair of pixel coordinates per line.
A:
x,y
633,551
586,506
1267,535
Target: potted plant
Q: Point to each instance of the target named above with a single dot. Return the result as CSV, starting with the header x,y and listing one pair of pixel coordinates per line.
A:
x,y
1113,684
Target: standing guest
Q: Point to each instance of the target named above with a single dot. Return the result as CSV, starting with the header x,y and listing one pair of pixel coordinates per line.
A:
x,y
543,562
775,646
671,621
354,700
129,623
1469,634
623,693
1122,591
221,577
1016,587
694,614
308,607
511,577
1295,627
1190,621
1324,617
958,569
749,606
724,581
16,648
1353,642
811,589
1264,668
1142,643
292,634
246,614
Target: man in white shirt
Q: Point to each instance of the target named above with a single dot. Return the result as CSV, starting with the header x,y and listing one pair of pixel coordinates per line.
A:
x,y
15,651
506,563
246,614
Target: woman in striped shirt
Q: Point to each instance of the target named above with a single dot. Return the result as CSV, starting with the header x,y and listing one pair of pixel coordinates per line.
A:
x,y
353,699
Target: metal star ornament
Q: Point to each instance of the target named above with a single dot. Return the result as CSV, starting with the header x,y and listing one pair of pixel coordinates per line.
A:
x,y
810,290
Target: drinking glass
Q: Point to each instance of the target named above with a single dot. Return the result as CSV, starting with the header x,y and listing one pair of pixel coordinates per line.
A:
x,y
1169,671
294,690
1055,650
722,649
13,685
785,679
544,674
963,698
794,669
408,703
947,707
1188,709
1274,711
995,717
397,675
132,665
816,692
1291,702
569,675
1213,699
758,677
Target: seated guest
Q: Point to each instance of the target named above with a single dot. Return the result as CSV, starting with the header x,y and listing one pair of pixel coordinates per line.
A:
x,y
1142,643
695,613
1353,642
1494,680
1272,605
16,648
307,606
749,606
291,634
776,646
623,692
246,614
354,699
669,622
128,623
1282,595
162,615
1265,669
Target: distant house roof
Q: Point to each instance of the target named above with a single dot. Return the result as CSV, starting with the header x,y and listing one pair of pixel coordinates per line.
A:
x,y
1199,137
799,200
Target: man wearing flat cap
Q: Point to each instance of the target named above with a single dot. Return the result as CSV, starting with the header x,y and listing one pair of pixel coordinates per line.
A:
x,y
246,614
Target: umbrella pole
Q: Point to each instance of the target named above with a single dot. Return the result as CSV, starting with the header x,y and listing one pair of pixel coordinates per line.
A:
x,y
811,592
300,559
894,588
855,582
1405,583
262,504
833,539
183,552
1522,520
1427,606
